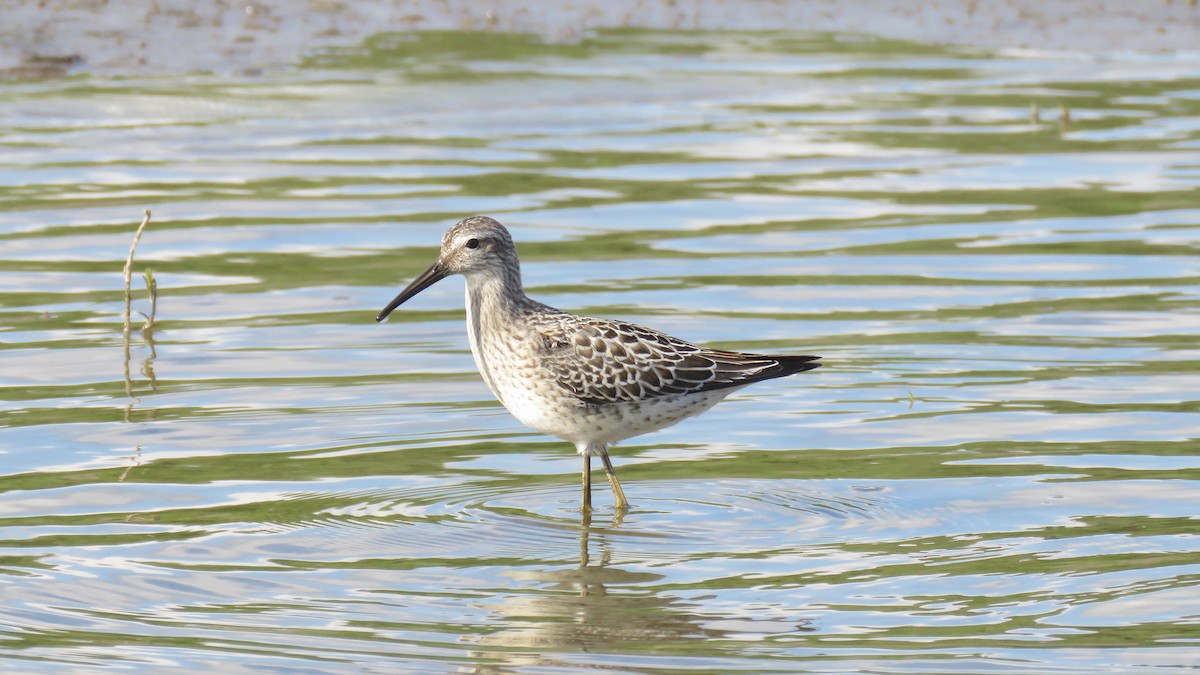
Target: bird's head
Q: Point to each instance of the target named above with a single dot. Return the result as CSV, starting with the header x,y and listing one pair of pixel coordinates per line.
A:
x,y
476,247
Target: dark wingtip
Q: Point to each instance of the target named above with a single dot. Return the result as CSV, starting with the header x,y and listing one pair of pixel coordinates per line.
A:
x,y
790,365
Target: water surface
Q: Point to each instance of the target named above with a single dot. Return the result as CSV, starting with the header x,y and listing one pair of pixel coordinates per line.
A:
x,y
997,470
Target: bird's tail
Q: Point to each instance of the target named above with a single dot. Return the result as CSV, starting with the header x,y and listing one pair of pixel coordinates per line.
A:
x,y
791,364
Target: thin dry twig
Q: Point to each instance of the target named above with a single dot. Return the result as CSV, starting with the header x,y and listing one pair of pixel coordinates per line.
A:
x,y
129,272
152,292
128,299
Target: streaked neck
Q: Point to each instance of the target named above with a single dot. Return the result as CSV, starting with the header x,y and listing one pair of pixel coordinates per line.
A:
x,y
498,291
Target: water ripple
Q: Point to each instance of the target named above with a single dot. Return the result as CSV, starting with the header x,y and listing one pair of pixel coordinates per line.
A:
x,y
994,471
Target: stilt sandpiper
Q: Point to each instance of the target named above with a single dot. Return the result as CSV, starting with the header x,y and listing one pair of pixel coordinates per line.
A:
x,y
592,382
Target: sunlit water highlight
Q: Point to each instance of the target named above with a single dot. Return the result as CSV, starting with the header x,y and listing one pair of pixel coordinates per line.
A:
x,y
996,470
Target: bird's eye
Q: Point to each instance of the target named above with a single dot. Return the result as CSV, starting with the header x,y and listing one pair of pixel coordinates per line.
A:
x,y
472,243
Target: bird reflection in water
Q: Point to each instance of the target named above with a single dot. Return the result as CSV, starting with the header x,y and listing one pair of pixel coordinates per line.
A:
x,y
594,607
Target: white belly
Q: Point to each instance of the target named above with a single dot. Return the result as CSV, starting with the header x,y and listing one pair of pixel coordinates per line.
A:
x,y
606,424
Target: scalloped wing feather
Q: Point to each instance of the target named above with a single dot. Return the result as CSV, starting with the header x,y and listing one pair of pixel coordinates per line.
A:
x,y
600,361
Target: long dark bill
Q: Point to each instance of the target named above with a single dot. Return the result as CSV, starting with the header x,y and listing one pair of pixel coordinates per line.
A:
x,y
429,277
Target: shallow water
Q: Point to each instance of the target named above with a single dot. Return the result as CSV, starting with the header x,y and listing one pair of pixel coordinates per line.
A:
x,y
997,470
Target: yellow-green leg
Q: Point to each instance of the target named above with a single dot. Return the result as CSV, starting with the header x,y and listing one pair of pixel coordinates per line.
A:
x,y
618,493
